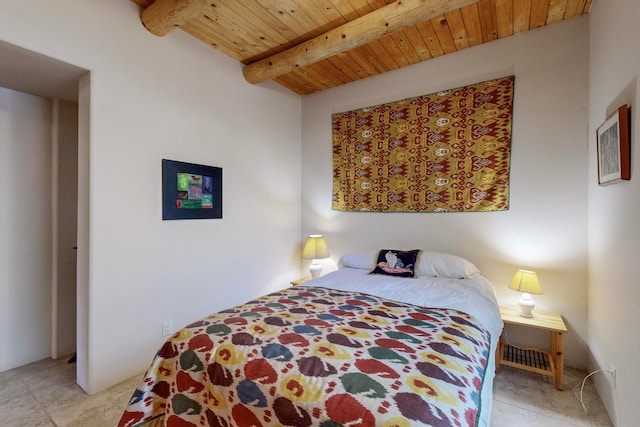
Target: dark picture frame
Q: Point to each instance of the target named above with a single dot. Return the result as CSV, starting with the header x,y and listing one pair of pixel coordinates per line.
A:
x,y
613,148
191,191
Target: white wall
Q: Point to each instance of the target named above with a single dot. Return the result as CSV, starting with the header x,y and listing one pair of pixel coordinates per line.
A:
x,y
545,227
25,228
614,235
174,98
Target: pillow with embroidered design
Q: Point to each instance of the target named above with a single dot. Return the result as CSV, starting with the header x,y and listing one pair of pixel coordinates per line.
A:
x,y
398,263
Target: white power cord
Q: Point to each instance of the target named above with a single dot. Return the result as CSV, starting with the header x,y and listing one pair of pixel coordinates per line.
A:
x,y
580,398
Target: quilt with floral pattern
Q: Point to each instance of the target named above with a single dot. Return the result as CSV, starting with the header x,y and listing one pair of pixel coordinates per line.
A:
x,y
312,356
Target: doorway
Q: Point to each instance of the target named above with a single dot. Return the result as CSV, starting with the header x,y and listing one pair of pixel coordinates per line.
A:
x,y
31,73
64,227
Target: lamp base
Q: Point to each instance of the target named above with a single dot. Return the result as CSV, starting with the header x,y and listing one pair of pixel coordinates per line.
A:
x,y
315,268
526,305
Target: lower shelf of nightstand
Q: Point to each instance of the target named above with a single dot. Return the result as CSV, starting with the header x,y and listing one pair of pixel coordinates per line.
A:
x,y
533,360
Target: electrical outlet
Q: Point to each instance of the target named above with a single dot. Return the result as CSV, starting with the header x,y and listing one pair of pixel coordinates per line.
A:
x,y
612,372
167,328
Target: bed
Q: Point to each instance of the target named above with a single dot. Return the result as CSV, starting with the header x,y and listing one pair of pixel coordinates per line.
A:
x,y
349,348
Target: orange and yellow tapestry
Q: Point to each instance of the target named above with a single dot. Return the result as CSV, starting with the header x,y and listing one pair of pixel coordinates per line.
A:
x,y
444,152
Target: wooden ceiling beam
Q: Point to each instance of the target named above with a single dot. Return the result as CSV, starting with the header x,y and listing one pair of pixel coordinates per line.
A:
x,y
163,16
393,17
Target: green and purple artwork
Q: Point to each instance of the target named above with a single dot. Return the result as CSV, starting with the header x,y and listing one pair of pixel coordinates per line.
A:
x,y
191,191
194,191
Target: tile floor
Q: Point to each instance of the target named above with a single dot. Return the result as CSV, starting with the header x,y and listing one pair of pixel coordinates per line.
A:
x,y
44,394
525,399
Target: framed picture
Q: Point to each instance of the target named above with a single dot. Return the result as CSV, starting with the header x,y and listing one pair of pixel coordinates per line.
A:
x,y
614,163
191,191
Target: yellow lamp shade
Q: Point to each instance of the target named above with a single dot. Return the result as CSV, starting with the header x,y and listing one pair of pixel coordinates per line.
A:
x,y
315,247
526,281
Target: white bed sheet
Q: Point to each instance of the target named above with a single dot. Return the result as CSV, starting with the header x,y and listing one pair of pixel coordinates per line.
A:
x,y
474,296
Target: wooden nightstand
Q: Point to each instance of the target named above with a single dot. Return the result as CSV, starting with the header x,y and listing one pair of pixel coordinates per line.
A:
x,y
300,281
549,363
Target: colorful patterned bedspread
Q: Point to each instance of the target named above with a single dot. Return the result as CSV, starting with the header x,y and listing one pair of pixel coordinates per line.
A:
x,y
311,356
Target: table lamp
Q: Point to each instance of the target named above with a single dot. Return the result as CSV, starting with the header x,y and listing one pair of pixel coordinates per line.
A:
x,y
314,249
526,281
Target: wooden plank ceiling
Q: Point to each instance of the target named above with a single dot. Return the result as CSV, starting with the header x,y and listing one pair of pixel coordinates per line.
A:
x,y
277,38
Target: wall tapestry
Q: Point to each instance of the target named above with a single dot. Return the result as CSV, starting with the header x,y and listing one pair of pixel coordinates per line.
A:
x,y
444,152
190,191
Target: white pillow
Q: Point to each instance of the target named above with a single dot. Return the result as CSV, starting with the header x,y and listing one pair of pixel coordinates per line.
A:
x,y
436,264
431,264
362,260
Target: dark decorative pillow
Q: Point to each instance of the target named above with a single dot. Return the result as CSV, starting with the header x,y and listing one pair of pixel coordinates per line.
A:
x,y
397,263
